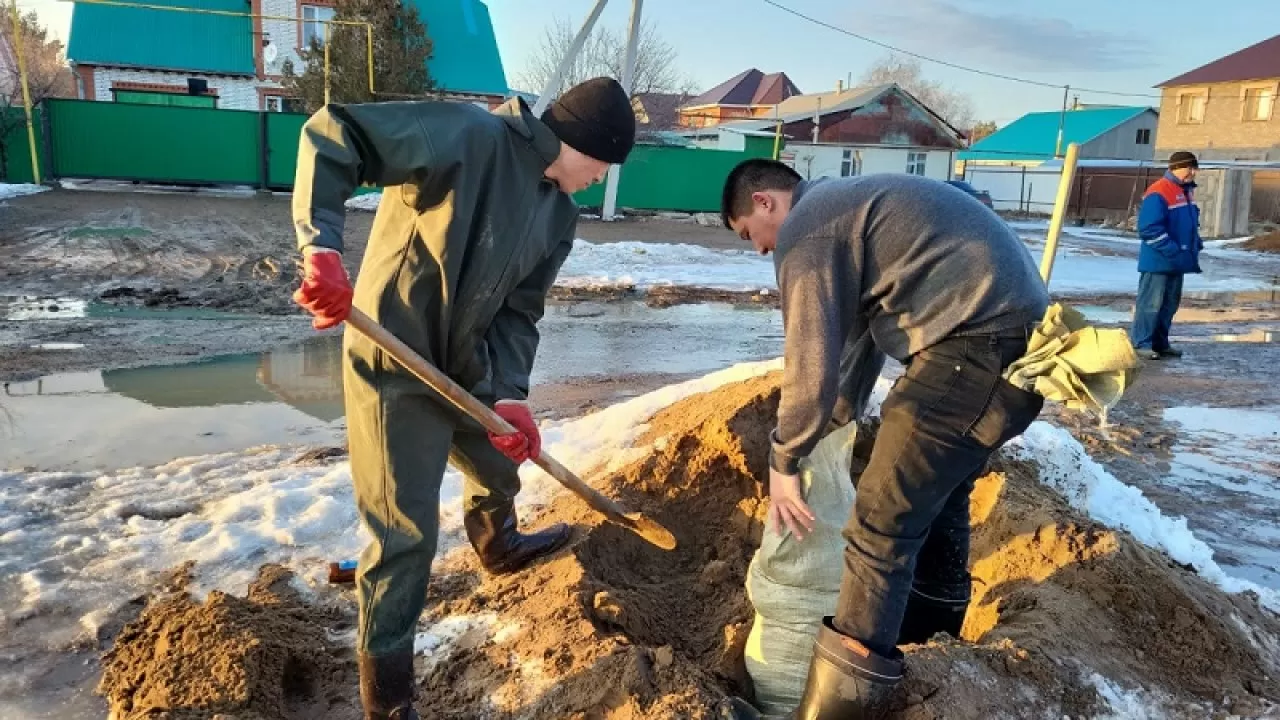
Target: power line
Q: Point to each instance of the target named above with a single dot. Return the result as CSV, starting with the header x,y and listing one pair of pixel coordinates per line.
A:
x,y
945,63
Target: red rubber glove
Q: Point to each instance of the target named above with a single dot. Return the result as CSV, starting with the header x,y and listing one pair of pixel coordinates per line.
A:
x,y
526,442
326,290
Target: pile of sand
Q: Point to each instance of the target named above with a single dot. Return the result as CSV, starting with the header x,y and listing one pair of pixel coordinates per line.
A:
x,y
1267,242
614,629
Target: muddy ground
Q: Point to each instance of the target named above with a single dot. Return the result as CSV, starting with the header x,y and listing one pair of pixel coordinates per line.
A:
x,y
130,253
614,629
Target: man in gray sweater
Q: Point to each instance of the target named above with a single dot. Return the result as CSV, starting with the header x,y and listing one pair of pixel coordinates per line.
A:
x,y
915,269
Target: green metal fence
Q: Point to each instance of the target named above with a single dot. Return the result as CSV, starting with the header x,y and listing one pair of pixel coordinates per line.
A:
x,y
17,149
673,178
205,146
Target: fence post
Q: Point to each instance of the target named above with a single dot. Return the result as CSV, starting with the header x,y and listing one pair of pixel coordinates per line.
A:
x,y
1024,204
264,153
46,125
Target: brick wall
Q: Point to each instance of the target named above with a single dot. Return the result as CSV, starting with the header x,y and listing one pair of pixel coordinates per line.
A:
x,y
1223,135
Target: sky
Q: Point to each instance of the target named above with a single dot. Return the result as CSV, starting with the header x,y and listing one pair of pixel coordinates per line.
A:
x,y
1122,45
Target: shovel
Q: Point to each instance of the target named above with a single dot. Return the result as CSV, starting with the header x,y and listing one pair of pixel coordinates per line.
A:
x,y
478,411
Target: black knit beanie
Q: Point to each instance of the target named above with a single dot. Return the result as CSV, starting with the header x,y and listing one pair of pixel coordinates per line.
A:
x,y
596,119
1183,159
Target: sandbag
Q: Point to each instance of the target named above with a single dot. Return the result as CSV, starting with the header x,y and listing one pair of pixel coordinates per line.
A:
x,y
794,583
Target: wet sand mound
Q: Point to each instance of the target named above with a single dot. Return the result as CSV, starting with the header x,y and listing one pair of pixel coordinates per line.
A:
x,y
615,629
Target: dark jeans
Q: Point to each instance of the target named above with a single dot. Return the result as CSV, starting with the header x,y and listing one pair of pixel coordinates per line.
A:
x,y
1158,297
910,522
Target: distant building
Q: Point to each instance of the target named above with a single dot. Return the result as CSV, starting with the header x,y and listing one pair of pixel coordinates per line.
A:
x,y
1104,133
750,93
859,131
658,111
1225,110
235,61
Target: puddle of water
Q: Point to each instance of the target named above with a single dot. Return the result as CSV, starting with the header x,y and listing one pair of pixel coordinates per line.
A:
x,y
1254,336
1106,315
1255,297
29,307
143,416
1226,461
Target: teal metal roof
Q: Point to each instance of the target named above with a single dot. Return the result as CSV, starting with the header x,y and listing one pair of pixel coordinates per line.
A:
x,y
465,55
1034,136
164,39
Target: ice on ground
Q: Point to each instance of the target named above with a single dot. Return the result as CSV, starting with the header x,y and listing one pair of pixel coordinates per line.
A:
x,y
8,191
1067,467
638,264
367,202
1126,704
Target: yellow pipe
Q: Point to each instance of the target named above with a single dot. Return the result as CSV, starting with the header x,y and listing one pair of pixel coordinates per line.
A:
x,y
368,31
326,64
26,92
777,141
1059,211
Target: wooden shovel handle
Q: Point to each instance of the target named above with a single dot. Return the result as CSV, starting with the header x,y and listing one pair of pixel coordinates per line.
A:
x,y
477,410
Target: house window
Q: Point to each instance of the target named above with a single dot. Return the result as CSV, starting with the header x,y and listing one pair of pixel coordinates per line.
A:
x,y
1258,102
280,103
314,18
849,164
916,163
1191,108
141,97
1144,136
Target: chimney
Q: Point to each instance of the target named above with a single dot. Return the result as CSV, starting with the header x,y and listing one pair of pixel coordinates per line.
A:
x,y
839,86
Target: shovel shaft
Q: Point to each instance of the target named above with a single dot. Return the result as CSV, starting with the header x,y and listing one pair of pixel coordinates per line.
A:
x,y
481,413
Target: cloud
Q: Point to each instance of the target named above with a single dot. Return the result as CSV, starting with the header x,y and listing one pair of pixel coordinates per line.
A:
x,y
1002,42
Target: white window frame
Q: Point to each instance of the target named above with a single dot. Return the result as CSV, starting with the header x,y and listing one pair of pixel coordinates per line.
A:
x,y
850,163
917,163
1270,89
313,22
1183,118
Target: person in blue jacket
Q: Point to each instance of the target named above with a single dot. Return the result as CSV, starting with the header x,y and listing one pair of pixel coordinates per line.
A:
x,y
1169,226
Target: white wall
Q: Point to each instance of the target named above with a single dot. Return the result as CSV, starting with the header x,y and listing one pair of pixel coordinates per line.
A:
x,y
1011,189
238,93
282,33
813,161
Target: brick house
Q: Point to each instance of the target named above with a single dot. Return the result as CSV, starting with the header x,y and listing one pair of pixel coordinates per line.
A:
x,y
748,94
236,60
1225,111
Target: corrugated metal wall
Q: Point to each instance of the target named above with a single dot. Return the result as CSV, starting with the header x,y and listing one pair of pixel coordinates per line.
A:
x,y
154,143
181,145
18,150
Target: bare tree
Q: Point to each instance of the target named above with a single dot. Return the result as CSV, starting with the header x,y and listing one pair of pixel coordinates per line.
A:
x,y
981,130
47,76
657,68
952,105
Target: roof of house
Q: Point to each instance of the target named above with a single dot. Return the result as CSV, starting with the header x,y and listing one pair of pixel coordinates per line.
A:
x,y
1035,135
464,57
112,35
1256,62
660,109
749,87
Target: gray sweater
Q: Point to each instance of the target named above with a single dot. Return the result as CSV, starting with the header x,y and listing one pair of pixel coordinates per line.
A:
x,y
886,264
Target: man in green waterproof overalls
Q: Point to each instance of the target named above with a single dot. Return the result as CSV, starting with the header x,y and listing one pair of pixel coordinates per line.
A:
x,y
475,221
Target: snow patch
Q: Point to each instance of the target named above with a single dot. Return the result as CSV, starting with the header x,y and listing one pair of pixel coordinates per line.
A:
x,y
367,202
1066,467
643,265
1126,704
8,191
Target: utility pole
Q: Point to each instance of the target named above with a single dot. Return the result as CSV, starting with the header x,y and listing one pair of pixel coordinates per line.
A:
x,y
628,76
570,56
1062,121
20,50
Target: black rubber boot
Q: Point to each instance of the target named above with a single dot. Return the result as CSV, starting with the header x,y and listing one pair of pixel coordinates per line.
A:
x,y
847,681
386,686
501,548
927,615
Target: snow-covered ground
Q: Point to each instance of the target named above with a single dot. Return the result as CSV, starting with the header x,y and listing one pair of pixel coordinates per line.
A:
x,y
80,544
1080,268
18,190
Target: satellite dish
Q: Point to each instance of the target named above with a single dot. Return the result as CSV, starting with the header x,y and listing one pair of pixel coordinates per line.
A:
x,y
270,53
